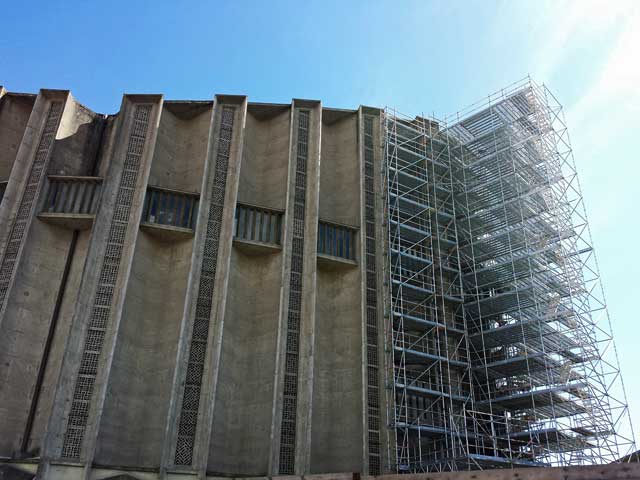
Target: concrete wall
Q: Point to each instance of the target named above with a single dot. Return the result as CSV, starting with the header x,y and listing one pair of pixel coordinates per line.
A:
x,y
181,147
136,401
25,327
263,174
614,471
59,341
93,295
75,151
340,169
15,110
27,321
133,423
240,441
336,429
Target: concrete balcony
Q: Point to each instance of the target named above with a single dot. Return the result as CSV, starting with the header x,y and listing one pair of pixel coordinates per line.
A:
x,y
169,215
71,201
257,230
336,246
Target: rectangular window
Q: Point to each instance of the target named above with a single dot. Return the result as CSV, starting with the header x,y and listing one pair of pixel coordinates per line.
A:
x,y
170,207
336,241
257,224
72,195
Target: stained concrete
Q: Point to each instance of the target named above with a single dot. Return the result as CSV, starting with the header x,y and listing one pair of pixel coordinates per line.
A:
x,y
133,422
27,321
242,419
336,429
15,110
136,404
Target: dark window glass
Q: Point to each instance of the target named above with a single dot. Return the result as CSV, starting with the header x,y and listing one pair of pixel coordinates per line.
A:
x,y
336,241
257,224
169,208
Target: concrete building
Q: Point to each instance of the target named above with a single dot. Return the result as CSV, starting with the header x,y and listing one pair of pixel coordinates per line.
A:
x,y
192,289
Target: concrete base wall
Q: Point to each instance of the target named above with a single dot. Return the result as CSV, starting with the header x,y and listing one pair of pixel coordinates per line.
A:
x,y
618,471
136,407
336,428
132,428
336,431
242,418
240,439
26,325
54,363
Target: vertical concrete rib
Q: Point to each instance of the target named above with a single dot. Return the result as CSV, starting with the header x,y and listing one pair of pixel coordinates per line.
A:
x,y
371,254
26,183
74,423
191,410
294,383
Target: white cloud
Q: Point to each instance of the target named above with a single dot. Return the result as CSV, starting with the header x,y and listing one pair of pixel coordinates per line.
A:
x,y
567,22
608,101
618,83
604,115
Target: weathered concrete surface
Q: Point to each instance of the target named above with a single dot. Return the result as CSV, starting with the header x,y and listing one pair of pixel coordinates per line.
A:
x,y
117,149
15,110
25,324
133,423
137,397
240,441
336,429
618,471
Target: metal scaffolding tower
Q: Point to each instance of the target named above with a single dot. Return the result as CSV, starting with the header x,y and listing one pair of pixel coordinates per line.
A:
x,y
499,346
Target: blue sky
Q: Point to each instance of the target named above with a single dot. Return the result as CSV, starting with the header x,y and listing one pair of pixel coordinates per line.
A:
x,y
418,56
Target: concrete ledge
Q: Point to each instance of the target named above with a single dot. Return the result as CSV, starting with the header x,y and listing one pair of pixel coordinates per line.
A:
x,y
167,233
329,262
72,221
251,247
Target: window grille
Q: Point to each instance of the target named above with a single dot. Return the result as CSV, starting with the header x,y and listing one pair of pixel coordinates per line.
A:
x,y
170,207
72,195
257,224
336,241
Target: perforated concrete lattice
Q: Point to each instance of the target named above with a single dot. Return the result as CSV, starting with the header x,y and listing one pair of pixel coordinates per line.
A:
x,y
373,388
102,301
290,399
188,422
28,200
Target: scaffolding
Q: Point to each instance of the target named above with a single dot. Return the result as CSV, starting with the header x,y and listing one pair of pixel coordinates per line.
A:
x,y
499,350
